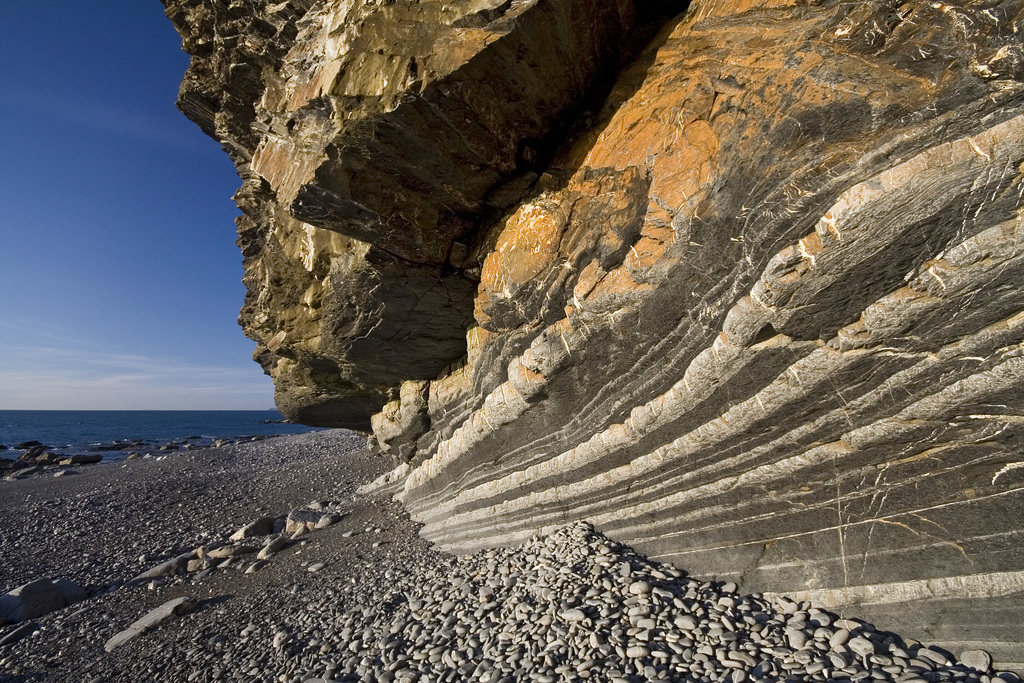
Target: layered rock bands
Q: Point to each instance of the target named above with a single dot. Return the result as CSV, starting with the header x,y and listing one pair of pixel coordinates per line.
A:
x,y
739,282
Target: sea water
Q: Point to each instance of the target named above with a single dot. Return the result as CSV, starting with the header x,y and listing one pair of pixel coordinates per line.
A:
x,y
82,431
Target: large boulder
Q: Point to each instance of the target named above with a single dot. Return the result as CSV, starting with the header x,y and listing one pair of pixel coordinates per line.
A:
x,y
33,452
36,598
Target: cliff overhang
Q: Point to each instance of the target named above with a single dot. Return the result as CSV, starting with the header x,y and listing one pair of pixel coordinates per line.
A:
x,y
740,284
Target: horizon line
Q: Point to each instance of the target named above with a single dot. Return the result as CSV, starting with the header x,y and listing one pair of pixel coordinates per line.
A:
x,y
139,410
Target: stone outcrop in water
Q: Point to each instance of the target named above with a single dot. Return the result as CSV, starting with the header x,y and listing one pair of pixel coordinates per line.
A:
x,y
740,285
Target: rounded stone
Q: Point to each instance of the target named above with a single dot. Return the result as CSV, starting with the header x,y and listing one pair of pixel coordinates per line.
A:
x,y
687,622
979,660
862,646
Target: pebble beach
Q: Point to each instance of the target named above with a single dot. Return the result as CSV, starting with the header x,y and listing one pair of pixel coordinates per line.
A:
x,y
261,562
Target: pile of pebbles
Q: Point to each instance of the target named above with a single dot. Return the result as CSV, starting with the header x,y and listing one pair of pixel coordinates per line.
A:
x,y
576,606
106,525
357,595
250,548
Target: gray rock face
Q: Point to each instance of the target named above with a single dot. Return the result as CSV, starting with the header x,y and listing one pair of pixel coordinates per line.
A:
x,y
760,314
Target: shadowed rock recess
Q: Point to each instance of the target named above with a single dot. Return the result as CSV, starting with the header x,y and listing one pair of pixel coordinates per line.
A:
x,y
739,282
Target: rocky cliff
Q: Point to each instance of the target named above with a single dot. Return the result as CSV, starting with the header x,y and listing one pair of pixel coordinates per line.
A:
x,y
739,282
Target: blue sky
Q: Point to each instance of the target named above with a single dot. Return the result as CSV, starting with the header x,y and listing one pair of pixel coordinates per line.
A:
x,y
119,276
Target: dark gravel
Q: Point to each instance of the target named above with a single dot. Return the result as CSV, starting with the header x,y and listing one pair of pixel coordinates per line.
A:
x,y
94,527
104,526
366,599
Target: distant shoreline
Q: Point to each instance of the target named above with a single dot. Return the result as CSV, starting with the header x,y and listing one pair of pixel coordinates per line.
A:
x,y
135,410
45,438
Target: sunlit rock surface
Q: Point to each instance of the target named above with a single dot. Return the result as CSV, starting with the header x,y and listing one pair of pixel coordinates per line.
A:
x,y
376,142
741,285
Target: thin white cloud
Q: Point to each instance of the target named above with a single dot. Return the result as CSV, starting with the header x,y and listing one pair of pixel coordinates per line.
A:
x,y
53,378
53,333
117,119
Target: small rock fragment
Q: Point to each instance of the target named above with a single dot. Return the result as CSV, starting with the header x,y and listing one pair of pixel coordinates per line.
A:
x,y
263,526
151,620
228,551
328,519
271,547
19,633
862,646
83,459
301,520
256,566
173,567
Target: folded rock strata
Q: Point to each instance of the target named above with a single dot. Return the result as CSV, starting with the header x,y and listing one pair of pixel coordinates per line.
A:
x,y
759,313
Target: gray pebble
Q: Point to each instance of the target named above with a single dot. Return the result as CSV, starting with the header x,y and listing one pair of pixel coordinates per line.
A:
x,y
573,615
862,646
979,660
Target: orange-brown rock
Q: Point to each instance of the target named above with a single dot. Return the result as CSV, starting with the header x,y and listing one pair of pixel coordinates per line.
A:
x,y
759,313
376,142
